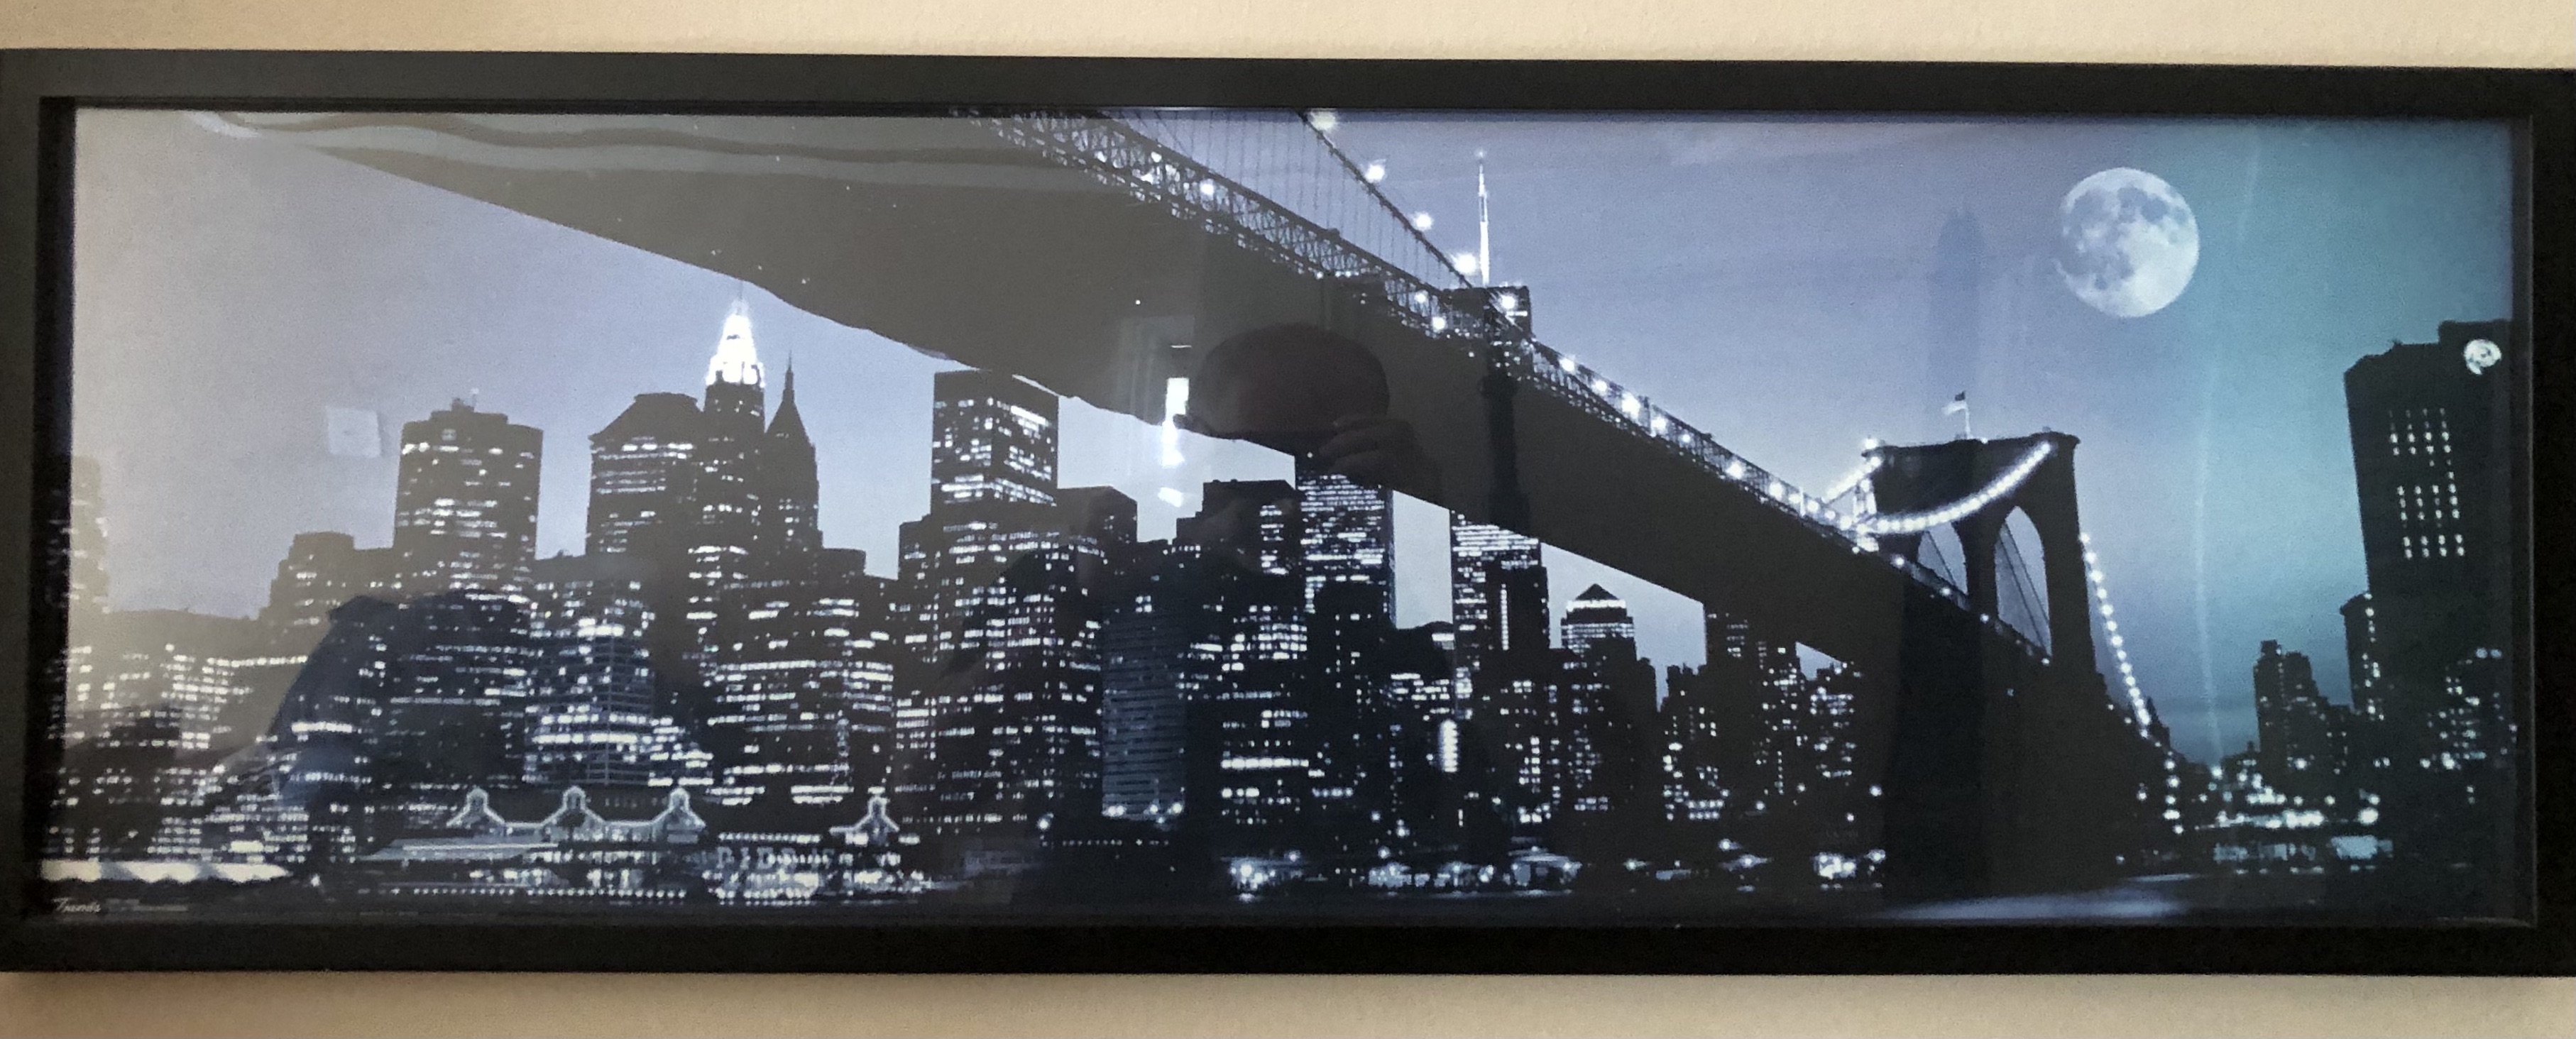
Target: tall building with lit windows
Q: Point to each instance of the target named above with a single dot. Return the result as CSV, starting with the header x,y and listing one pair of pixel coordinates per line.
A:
x,y
146,694
465,503
2431,460
2300,735
992,439
643,468
998,721
1491,610
1349,538
591,698
726,491
2433,451
803,678
322,570
785,486
1252,755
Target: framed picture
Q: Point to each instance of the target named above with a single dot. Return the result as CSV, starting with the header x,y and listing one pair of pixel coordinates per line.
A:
x,y
512,511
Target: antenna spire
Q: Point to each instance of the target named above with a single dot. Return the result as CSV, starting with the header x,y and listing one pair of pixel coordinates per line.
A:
x,y
1484,226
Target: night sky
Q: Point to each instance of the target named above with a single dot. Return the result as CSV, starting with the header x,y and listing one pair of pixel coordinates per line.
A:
x,y
1766,280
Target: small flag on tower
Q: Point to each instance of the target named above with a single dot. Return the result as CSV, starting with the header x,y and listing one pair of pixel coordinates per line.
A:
x,y
1957,404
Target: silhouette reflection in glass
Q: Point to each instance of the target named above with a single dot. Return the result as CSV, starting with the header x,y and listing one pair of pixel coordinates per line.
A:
x,y
1314,395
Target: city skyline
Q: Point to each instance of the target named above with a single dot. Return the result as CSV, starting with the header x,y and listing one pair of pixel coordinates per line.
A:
x,y
818,599
853,365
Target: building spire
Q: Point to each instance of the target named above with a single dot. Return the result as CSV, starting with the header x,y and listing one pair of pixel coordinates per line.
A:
x,y
1484,226
736,360
787,421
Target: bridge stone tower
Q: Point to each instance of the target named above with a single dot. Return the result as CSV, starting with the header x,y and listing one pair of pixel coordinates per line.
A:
x,y
2009,769
1926,477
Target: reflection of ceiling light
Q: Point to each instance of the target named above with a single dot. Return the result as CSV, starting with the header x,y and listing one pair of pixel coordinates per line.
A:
x,y
1324,118
1422,221
1375,172
2481,355
1508,301
1465,262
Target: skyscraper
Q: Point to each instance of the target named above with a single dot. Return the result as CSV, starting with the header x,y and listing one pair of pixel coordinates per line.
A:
x,y
1252,754
592,696
322,569
465,504
999,728
643,470
803,679
85,544
2301,734
1349,538
453,712
2432,445
726,491
1493,611
1596,615
2433,449
992,439
1156,658
1346,558
785,485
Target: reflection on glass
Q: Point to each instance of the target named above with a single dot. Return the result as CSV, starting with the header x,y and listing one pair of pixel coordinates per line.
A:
x,y
1163,510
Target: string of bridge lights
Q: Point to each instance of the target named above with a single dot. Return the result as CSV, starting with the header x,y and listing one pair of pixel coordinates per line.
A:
x,y
2099,586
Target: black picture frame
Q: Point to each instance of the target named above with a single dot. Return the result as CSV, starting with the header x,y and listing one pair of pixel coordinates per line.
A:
x,y
39,91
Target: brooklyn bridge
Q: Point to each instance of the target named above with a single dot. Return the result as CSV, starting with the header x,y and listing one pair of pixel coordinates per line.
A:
x,y
1089,253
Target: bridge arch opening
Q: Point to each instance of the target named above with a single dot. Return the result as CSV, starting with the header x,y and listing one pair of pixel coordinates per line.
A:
x,y
1941,552
2021,581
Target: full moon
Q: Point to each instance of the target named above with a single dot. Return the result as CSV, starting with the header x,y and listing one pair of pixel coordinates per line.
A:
x,y
2126,243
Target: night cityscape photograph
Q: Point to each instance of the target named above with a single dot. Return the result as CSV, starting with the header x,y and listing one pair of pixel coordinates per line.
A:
x,y
1345,516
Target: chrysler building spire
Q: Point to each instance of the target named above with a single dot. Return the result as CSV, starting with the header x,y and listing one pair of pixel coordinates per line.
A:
x,y
735,360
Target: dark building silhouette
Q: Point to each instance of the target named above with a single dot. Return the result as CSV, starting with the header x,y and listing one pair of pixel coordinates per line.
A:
x,y
2301,735
465,504
1156,660
2432,439
785,484
2431,448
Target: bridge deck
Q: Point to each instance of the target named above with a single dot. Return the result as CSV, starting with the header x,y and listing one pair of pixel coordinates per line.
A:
x,y
967,239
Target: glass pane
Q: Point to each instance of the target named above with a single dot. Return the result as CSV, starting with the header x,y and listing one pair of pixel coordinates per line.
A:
x,y
1357,516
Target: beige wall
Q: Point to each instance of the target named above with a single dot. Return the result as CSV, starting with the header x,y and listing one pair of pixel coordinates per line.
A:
x,y
2462,32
